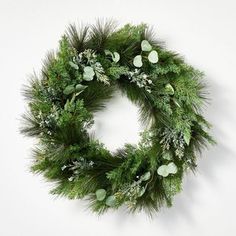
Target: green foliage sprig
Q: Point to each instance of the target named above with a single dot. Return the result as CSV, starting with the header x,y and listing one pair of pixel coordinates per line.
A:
x,y
77,80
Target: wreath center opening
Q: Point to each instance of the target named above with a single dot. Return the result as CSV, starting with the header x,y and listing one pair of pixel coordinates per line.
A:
x,y
118,123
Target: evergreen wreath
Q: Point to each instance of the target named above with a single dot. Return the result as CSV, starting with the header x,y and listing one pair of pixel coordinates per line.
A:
x,y
78,79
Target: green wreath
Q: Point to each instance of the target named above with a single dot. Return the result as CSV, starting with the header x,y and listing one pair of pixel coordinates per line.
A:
x,y
78,79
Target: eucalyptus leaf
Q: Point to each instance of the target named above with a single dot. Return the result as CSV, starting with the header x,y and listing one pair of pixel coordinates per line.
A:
x,y
146,176
187,136
73,65
111,201
69,89
167,155
116,57
141,192
101,194
169,89
88,73
145,46
80,87
66,106
172,168
138,61
163,171
153,56
108,52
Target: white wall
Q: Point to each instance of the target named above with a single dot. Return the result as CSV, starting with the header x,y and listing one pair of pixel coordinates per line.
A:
x,y
204,32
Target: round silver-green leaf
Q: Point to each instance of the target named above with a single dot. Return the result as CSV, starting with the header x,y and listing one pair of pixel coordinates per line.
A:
x,y
172,168
153,56
111,201
138,61
101,194
146,46
88,73
163,171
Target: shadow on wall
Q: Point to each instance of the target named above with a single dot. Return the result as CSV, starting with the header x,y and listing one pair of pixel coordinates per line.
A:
x,y
219,156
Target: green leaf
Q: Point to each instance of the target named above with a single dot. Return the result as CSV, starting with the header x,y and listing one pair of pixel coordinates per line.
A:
x,y
141,192
101,194
69,89
108,52
153,56
88,73
169,89
167,155
145,46
187,136
163,171
138,61
80,87
115,57
146,176
111,201
67,105
73,65
172,168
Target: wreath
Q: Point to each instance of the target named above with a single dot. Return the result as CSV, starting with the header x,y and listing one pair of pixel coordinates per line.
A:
x,y
76,81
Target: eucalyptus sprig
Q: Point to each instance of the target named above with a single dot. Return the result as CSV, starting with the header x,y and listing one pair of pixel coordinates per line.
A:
x,y
146,48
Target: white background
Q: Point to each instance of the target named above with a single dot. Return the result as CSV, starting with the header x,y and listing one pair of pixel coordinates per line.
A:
x,y
204,32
